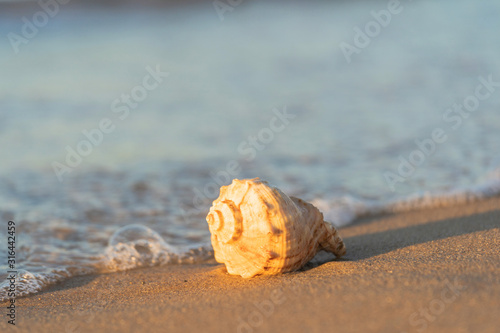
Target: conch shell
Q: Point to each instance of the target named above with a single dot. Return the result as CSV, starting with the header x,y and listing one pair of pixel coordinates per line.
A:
x,y
257,229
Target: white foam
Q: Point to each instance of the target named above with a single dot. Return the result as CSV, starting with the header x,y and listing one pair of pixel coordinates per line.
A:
x,y
130,247
342,211
137,246
27,283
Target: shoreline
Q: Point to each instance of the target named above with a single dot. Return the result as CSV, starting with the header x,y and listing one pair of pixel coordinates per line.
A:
x,y
433,270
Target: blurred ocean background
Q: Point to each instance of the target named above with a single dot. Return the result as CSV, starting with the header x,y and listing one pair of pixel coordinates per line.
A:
x,y
140,194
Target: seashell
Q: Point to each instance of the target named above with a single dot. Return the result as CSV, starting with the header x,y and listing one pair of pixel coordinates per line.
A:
x,y
257,229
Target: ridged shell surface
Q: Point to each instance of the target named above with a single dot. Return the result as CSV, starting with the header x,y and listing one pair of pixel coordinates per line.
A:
x,y
257,229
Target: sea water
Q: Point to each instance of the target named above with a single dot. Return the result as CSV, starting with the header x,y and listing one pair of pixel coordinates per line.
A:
x,y
119,124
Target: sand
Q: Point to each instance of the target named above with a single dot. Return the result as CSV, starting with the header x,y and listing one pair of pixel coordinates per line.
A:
x,y
434,270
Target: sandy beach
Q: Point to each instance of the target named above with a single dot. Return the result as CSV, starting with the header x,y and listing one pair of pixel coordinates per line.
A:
x,y
423,271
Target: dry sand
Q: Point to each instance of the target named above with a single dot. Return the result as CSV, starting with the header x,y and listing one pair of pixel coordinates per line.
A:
x,y
425,271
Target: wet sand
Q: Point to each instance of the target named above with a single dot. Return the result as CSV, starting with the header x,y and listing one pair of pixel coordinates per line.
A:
x,y
425,271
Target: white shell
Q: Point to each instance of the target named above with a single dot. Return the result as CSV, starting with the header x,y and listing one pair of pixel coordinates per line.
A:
x,y
257,229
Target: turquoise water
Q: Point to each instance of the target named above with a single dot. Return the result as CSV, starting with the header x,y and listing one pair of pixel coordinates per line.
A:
x,y
266,92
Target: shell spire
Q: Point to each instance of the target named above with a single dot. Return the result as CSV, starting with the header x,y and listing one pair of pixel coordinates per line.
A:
x,y
257,229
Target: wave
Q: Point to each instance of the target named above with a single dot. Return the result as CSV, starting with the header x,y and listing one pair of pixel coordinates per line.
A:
x,y
344,210
130,247
135,245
